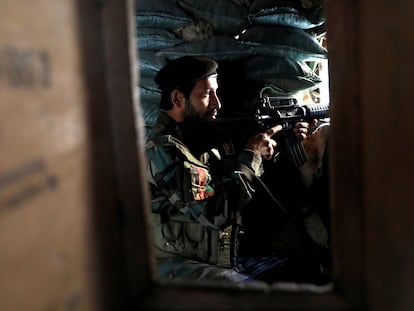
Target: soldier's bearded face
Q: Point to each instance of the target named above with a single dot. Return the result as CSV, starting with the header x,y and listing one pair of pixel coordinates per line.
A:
x,y
203,103
191,113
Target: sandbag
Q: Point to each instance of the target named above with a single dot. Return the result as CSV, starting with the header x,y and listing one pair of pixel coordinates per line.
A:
x,y
217,47
195,31
284,74
164,14
150,104
225,16
149,64
155,39
285,13
283,41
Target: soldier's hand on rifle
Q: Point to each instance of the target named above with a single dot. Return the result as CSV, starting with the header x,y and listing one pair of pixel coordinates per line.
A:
x,y
301,129
263,143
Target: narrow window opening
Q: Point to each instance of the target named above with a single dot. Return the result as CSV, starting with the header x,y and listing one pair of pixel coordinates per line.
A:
x,y
303,192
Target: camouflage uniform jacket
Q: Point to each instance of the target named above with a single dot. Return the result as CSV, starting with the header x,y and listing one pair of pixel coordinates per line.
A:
x,y
189,205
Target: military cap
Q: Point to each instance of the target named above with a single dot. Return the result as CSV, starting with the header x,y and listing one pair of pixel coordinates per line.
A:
x,y
184,71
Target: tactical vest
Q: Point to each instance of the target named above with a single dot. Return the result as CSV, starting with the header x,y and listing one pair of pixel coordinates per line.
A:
x,y
178,235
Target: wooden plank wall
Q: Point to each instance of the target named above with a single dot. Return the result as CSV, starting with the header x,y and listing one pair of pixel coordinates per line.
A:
x,y
62,224
61,235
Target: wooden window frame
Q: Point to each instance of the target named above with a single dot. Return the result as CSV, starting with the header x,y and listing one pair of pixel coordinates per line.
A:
x,y
347,213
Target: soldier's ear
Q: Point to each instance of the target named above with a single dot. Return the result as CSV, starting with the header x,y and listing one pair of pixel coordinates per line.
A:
x,y
177,98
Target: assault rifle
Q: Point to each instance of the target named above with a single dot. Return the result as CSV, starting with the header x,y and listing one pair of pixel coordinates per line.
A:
x,y
286,111
269,111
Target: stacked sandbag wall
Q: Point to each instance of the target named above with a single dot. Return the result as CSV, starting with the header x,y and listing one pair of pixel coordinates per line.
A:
x,y
263,47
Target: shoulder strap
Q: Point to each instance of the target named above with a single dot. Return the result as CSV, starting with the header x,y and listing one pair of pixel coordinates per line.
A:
x,y
170,140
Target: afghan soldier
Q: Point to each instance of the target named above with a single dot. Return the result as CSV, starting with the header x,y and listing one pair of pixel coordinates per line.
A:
x,y
196,187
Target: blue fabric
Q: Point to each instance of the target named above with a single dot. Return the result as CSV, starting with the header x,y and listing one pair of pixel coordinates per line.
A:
x,y
183,268
256,267
247,269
